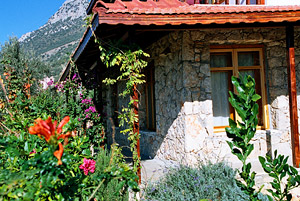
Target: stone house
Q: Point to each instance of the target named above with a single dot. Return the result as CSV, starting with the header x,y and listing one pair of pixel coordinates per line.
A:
x,y
195,47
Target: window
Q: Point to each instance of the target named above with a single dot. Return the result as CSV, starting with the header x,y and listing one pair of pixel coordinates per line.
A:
x,y
150,99
225,63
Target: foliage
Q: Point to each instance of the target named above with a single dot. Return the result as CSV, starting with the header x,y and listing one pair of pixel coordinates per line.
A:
x,y
48,102
242,132
15,150
24,64
130,61
55,168
94,125
117,176
279,169
207,181
80,105
36,173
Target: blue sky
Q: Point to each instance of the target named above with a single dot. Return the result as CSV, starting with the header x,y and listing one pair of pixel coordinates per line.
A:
x,y
18,17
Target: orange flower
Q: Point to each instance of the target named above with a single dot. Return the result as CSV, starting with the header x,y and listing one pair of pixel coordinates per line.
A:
x,y
41,128
27,86
65,137
58,153
49,130
6,75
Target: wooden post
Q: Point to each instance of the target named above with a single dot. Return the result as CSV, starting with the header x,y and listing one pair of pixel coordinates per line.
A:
x,y
237,2
247,2
206,2
292,94
227,2
136,127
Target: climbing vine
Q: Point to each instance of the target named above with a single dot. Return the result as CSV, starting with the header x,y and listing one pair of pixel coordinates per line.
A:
x,y
130,61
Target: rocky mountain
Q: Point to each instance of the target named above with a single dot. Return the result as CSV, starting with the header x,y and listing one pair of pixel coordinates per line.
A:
x,y
55,41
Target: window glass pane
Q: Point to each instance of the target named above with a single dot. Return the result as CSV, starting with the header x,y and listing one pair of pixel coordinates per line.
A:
x,y
221,112
248,58
220,59
247,72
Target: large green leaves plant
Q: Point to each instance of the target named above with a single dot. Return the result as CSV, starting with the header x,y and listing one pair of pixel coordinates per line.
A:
x,y
279,169
241,132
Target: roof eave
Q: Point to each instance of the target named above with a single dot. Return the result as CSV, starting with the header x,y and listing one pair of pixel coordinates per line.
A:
x,y
89,9
88,34
197,18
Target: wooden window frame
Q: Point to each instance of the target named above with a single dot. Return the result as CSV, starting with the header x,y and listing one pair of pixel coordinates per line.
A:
x,y
235,69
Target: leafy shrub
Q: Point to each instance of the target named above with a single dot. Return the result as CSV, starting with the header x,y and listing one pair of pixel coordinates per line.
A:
x,y
209,181
241,132
113,189
279,169
36,170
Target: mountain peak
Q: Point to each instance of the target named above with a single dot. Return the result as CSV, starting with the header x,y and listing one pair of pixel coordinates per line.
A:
x,y
55,40
71,9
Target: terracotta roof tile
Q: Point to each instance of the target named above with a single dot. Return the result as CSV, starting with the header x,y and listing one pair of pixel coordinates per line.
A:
x,y
175,12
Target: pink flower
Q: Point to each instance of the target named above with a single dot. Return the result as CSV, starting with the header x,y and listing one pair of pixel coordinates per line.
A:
x,y
87,101
88,166
33,151
74,76
50,83
90,109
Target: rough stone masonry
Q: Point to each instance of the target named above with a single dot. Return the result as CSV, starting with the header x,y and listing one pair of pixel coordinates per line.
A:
x,y
184,120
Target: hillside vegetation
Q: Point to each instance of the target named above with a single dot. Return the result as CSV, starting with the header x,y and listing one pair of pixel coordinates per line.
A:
x,y
56,40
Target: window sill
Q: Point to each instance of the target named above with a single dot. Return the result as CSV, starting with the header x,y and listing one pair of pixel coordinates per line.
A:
x,y
222,129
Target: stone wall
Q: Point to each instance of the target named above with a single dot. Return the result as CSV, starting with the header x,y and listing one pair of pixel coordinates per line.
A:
x,y
183,92
184,120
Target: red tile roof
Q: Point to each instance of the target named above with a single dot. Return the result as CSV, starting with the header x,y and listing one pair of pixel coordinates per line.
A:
x,y
174,12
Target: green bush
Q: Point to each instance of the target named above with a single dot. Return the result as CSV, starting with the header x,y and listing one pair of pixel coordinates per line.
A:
x,y
209,181
116,176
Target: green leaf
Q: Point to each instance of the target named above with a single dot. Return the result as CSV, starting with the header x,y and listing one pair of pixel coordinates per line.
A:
x,y
275,185
282,175
255,97
86,152
249,150
272,174
26,146
293,170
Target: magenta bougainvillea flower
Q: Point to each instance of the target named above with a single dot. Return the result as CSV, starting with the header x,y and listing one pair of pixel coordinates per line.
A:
x,y
88,166
74,76
86,101
33,152
90,109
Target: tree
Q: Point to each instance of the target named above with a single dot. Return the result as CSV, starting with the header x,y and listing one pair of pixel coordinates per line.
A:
x,y
13,57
